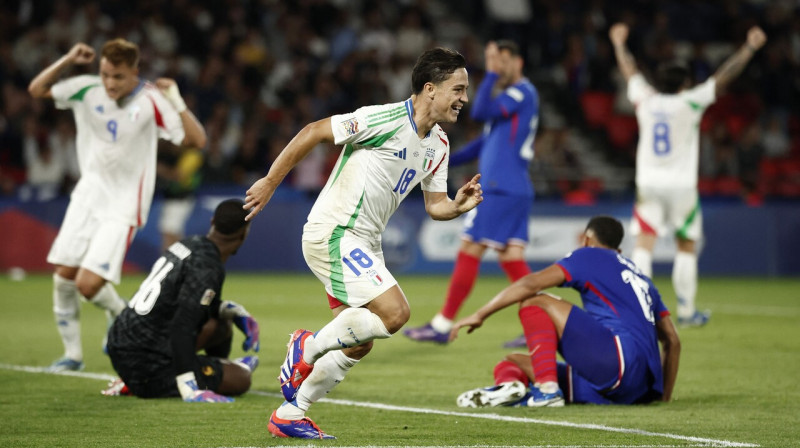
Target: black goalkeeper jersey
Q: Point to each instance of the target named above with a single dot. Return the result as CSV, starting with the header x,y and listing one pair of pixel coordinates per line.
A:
x,y
172,304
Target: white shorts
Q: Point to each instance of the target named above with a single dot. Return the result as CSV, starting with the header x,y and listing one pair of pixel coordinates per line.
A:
x,y
87,241
174,214
661,210
352,269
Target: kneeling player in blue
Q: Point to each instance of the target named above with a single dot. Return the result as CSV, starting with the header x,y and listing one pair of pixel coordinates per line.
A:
x,y
177,311
611,345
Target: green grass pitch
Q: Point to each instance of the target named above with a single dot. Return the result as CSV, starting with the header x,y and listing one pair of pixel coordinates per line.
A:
x,y
737,386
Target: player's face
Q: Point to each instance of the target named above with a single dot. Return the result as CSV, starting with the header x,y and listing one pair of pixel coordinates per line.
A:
x,y
450,96
511,68
118,80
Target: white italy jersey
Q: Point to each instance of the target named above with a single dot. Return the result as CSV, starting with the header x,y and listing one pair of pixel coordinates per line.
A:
x,y
382,161
116,145
669,133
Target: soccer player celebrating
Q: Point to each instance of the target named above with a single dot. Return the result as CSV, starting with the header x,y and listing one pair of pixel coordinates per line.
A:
x,y
610,345
505,150
388,150
119,118
667,160
177,311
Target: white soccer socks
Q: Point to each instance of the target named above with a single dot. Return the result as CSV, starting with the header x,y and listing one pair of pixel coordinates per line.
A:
x,y
643,259
353,326
328,372
108,299
684,281
67,309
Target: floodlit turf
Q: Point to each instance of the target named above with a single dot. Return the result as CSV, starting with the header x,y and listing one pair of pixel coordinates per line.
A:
x,y
737,383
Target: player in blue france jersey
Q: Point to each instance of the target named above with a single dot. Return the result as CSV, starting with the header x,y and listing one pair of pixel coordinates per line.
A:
x,y
388,150
611,345
508,104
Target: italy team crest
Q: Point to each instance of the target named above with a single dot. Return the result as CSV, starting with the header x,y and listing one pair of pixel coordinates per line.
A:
x,y
427,163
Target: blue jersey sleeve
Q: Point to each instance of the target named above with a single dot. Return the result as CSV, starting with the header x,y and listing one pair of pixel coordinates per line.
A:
x,y
573,266
468,153
486,108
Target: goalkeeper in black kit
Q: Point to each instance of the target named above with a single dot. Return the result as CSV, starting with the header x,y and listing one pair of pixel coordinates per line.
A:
x,y
177,311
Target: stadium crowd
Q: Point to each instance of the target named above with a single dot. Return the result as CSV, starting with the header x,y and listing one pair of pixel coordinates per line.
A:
x,y
257,71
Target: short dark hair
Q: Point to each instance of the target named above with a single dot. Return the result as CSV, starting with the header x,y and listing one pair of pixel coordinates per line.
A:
x,y
229,216
509,46
608,230
120,51
435,66
670,77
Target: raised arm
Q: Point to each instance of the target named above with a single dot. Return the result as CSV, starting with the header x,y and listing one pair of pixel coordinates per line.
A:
x,y
79,54
670,354
442,208
734,65
619,35
310,136
195,134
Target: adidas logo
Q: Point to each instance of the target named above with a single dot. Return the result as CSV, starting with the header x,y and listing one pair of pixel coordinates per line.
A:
x,y
401,154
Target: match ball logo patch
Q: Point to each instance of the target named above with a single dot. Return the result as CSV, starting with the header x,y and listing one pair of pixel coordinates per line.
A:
x,y
350,126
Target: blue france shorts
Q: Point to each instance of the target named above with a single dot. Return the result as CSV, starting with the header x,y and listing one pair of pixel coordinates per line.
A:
x,y
499,220
596,370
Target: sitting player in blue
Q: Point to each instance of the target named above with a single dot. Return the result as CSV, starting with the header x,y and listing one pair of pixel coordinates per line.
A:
x,y
610,345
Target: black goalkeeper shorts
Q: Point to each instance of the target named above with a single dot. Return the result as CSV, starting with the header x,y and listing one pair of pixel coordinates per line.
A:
x,y
152,376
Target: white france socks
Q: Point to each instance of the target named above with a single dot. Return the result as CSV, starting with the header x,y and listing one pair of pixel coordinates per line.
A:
x,y
67,309
351,327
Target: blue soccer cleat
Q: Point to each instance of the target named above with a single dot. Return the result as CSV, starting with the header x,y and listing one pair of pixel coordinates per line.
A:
x,y
295,370
65,365
427,333
538,399
304,428
504,394
250,362
517,342
698,319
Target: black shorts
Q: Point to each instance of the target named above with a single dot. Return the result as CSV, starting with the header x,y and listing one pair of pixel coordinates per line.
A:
x,y
150,375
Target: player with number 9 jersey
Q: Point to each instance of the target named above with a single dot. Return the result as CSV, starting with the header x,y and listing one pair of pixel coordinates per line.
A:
x,y
116,143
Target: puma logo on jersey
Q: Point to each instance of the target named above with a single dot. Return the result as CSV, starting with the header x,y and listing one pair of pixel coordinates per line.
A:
x,y
401,154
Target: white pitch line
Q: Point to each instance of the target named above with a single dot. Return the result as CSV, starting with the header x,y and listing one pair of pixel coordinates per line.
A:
x,y
508,418
387,407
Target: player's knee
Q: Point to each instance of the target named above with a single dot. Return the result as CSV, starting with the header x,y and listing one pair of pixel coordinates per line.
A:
x,y
236,380
88,288
395,321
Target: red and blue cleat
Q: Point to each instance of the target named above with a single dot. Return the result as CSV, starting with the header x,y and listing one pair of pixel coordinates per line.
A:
x,y
295,370
304,428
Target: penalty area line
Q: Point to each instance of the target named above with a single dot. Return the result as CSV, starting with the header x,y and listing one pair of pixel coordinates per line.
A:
x,y
701,441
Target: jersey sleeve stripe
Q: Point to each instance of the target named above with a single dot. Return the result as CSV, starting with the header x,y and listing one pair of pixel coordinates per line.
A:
x,y
567,275
381,115
157,114
78,96
388,119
